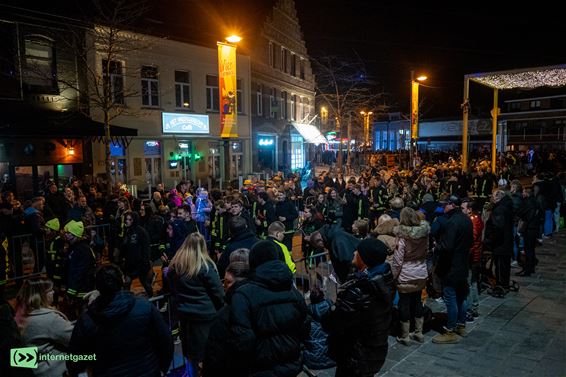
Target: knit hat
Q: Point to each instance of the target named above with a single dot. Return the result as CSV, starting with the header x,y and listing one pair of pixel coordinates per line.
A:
x,y
428,198
262,252
372,251
53,224
76,228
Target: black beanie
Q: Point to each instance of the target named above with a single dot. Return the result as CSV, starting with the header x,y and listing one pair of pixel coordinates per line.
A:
x,y
261,252
372,251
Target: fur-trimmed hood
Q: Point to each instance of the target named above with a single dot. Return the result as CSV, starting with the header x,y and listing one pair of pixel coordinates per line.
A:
x,y
386,227
414,232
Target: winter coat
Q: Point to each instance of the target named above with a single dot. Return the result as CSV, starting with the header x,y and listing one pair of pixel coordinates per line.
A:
x,y
243,240
287,210
218,357
454,243
409,260
135,249
531,213
128,336
315,354
269,321
81,268
199,297
358,324
499,228
50,331
384,233
34,221
341,246
10,338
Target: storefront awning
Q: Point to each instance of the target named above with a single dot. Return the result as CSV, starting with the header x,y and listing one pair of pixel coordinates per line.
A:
x,y
310,133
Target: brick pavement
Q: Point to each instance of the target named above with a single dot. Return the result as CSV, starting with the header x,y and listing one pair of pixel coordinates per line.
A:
x,y
523,334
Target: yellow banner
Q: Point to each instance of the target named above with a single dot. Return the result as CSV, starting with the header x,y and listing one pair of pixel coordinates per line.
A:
x,y
227,89
415,111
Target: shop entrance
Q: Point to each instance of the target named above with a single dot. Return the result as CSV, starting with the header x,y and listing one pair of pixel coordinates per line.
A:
x,y
266,153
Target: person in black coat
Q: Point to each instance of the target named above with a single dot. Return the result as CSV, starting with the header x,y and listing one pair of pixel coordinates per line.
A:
x,y
455,238
269,319
136,253
341,246
358,323
531,217
240,237
499,236
127,333
265,214
286,213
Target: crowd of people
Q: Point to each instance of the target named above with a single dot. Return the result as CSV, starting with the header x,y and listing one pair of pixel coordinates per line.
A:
x,y
227,265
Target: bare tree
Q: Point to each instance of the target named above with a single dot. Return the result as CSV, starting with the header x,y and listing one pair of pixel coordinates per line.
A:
x,y
345,89
101,47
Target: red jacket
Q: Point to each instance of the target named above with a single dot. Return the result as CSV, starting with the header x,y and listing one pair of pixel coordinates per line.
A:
x,y
476,250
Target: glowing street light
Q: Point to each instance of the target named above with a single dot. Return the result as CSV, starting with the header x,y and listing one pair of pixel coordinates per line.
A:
x,y
234,38
366,116
414,149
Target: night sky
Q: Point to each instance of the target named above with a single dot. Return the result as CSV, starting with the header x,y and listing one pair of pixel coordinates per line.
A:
x,y
392,38
444,41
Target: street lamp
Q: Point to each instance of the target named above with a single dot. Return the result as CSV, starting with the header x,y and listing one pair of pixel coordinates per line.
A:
x,y
414,149
228,102
366,116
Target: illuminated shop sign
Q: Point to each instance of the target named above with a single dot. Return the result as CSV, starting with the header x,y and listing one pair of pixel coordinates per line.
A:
x,y
174,123
265,142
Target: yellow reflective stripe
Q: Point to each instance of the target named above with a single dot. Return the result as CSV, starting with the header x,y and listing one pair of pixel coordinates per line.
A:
x,y
288,260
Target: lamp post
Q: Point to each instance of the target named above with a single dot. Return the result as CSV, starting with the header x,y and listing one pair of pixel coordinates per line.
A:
x,y
228,103
367,138
415,116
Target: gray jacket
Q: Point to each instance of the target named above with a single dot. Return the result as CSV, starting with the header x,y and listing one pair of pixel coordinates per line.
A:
x,y
50,331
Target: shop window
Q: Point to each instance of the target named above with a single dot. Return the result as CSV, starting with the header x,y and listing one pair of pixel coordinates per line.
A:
x,y
297,152
150,86
182,90
39,68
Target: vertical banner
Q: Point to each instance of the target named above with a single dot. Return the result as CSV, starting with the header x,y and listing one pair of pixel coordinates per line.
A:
x,y
227,90
415,111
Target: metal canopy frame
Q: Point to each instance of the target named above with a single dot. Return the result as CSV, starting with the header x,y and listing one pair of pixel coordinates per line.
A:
x,y
527,78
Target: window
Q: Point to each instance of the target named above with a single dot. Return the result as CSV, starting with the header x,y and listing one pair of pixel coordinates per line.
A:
x,y
182,90
212,99
284,53
293,107
535,104
259,100
283,105
293,65
113,80
297,152
240,96
273,103
39,70
515,106
301,110
271,55
306,107
302,69
150,86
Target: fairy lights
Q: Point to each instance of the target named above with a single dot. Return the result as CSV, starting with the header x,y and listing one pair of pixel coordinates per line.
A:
x,y
554,76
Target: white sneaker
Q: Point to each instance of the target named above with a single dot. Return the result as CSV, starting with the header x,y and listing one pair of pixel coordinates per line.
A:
x,y
515,264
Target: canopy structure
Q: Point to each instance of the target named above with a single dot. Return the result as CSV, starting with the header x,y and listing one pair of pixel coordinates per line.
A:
x,y
528,78
310,133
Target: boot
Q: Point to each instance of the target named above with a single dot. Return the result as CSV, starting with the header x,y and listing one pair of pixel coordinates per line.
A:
x,y
448,337
404,336
461,330
417,335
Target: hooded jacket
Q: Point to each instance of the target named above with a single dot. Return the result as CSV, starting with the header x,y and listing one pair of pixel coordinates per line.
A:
x,y
269,321
128,336
135,249
409,260
341,246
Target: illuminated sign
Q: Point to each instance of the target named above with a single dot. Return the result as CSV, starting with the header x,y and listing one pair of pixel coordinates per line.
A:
x,y
152,148
184,145
265,142
174,123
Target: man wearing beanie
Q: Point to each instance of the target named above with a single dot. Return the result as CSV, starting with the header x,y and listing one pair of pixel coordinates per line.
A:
x,y
55,265
82,265
358,323
268,318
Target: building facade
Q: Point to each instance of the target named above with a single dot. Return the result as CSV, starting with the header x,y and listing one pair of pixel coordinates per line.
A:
x,y
282,93
175,109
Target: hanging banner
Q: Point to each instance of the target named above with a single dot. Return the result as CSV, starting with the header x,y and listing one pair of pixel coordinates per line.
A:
x,y
415,111
227,89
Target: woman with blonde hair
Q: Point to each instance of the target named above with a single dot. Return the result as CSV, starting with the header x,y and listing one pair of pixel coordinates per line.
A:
x,y
410,270
198,294
43,326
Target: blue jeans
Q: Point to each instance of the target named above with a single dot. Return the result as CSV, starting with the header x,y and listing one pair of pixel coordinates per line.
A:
x,y
557,217
548,225
455,308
